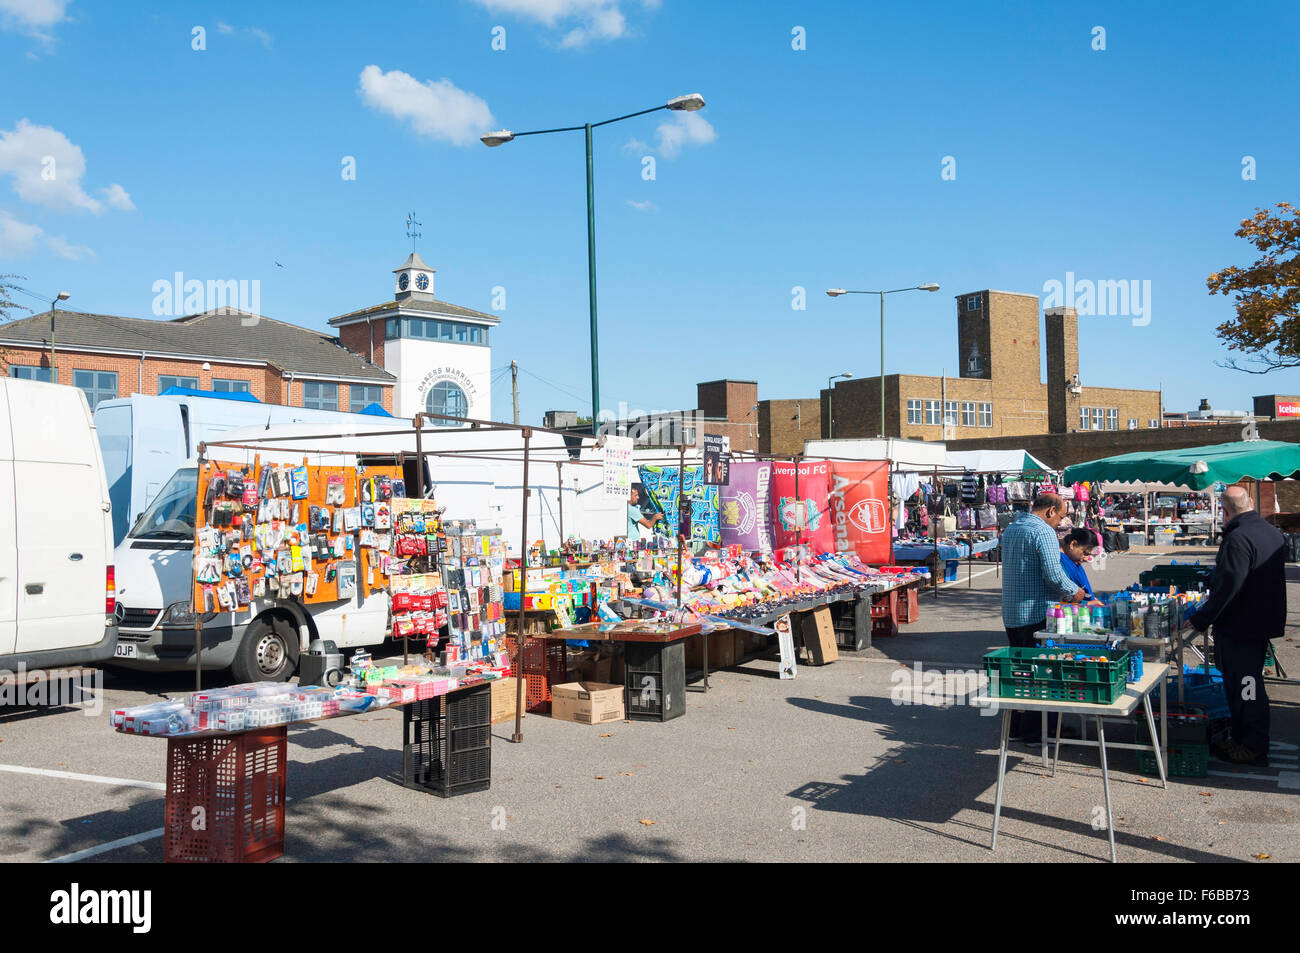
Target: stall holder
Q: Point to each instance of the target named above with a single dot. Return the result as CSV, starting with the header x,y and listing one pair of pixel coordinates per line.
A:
x,y
1138,693
226,790
654,680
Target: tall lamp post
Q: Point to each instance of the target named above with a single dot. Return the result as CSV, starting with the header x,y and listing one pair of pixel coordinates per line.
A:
x,y
830,410
689,103
61,296
836,292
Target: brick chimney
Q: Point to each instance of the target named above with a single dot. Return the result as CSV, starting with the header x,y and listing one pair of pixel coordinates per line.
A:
x,y
1061,339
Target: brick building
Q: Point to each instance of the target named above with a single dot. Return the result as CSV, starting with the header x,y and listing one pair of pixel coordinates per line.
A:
x,y
410,354
999,390
109,356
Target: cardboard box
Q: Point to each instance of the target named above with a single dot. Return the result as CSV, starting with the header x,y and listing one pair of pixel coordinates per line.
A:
x,y
722,651
819,636
503,699
588,703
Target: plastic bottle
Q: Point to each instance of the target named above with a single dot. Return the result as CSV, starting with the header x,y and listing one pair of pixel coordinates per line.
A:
x,y
1052,609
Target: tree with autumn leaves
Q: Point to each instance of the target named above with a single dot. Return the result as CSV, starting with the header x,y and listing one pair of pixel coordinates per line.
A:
x,y
1267,293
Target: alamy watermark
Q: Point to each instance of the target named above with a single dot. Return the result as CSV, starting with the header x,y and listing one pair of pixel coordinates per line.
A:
x,y
943,689
177,296
53,688
652,428
1106,298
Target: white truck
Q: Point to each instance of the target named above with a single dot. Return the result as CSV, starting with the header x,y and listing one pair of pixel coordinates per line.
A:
x,y
56,533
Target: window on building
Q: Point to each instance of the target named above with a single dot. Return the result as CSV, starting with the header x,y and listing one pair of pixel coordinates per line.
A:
x,y
986,415
30,372
914,412
950,413
392,329
972,302
1132,423
447,399
170,380
227,385
968,413
1098,418
318,395
932,412
429,329
1112,418
361,396
1085,418
97,385
1153,423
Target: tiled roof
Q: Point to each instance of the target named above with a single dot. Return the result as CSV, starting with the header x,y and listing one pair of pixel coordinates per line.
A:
x,y
428,306
232,334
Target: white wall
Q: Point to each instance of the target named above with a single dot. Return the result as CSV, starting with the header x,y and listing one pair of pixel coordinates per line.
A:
x,y
419,364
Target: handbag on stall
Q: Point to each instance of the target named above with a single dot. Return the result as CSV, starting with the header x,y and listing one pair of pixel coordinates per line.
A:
x,y
966,518
1017,490
987,516
1064,492
997,494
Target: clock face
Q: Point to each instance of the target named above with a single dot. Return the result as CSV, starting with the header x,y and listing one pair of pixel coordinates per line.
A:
x,y
422,281
403,280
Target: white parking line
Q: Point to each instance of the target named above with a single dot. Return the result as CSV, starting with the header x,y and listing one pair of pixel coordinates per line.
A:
x,y
105,848
93,778
973,575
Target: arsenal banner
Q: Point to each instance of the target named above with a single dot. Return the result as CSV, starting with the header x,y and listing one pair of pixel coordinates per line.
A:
x,y
859,501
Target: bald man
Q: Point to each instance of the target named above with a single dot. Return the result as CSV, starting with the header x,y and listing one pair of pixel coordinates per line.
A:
x,y
1247,607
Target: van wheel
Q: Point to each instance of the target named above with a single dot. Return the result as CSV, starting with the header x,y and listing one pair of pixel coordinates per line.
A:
x,y
268,653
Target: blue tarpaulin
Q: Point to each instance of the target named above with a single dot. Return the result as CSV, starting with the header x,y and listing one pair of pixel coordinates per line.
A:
x,y
194,392
375,410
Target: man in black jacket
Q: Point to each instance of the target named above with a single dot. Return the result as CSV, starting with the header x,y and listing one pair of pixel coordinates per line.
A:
x,y
1247,607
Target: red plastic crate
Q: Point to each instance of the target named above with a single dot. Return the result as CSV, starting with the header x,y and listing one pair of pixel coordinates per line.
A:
x,y
546,663
225,798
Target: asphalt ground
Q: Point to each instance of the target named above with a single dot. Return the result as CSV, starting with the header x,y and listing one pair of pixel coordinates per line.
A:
x,y
824,767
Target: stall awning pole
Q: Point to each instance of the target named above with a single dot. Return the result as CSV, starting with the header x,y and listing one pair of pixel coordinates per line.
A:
x,y
520,636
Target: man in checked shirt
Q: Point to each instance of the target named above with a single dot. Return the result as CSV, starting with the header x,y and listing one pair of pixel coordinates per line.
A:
x,y
1031,578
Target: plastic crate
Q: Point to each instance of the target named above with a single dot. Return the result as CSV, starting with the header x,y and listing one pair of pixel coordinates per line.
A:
x,y
236,784
908,605
1031,673
546,663
654,681
1134,658
1203,688
447,747
1183,761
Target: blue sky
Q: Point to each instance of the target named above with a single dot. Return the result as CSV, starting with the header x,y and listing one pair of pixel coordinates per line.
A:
x,y
809,168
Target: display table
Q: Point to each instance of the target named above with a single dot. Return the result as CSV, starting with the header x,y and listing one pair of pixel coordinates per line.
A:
x,y
1138,693
226,790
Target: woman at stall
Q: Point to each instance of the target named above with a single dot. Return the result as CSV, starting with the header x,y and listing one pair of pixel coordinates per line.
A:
x,y
1076,546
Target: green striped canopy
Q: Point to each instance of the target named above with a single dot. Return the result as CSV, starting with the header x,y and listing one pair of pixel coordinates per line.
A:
x,y
1196,468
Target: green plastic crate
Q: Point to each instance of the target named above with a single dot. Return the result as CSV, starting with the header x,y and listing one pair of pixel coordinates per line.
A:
x,y
1032,673
1185,761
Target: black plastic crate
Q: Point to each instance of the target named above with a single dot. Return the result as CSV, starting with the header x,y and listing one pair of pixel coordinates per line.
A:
x,y
448,743
654,681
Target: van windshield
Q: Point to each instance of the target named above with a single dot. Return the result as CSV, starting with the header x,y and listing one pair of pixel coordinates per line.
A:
x,y
171,514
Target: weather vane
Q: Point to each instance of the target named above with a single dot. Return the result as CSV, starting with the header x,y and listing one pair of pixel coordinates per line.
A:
x,y
412,229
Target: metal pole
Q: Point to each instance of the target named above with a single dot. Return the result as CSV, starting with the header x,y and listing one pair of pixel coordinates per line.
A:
x,y
559,482
54,375
514,388
199,521
830,409
798,518
591,283
882,363
935,522
523,598
419,461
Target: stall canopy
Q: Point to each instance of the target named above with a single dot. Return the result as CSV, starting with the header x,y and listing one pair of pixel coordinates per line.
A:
x,y
1195,468
997,461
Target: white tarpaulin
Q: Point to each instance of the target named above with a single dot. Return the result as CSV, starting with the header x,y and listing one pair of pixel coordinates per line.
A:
x,y
996,461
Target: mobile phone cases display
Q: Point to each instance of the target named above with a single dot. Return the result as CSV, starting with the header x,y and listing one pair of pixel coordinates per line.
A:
x,y
268,531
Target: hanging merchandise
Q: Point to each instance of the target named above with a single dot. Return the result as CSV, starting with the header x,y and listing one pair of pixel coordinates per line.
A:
x,y
805,518
859,508
743,508
661,484
1017,491
969,487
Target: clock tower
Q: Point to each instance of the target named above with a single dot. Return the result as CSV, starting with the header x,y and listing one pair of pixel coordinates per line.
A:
x,y
414,279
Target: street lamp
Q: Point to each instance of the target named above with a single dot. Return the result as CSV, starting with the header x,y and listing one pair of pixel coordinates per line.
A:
x,y
688,103
836,292
830,394
61,296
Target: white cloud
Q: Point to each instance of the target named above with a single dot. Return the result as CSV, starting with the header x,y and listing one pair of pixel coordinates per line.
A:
x,y
683,129
118,197
19,239
434,110
33,17
46,167
263,37
592,19
223,27
646,206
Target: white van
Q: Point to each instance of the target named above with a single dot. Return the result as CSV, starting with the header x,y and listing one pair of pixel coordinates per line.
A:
x,y
56,532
